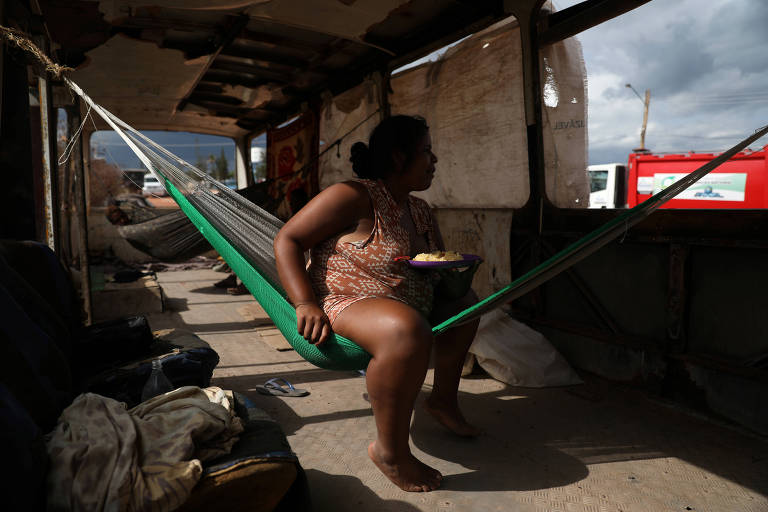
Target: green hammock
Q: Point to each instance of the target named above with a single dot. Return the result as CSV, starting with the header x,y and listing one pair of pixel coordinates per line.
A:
x,y
337,353
242,233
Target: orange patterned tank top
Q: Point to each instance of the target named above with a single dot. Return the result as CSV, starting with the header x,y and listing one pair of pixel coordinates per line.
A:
x,y
343,273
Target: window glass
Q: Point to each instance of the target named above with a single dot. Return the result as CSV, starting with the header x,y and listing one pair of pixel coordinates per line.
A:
x,y
115,170
598,180
259,158
669,86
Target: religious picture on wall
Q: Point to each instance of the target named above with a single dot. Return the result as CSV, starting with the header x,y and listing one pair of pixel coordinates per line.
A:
x,y
292,164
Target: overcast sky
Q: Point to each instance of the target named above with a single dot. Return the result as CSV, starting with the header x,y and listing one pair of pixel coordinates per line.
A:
x,y
705,63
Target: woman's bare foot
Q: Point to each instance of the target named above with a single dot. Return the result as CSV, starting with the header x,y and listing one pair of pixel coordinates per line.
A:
x,y
409,474
450,417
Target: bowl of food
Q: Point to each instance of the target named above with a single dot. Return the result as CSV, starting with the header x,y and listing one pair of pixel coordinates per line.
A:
x,y
441,259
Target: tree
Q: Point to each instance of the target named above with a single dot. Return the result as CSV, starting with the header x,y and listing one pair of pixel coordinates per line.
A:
x,y
105,181
260,171
199,158
221,167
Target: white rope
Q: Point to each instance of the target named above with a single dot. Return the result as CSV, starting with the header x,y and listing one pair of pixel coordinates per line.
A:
x,y
117,164
73,140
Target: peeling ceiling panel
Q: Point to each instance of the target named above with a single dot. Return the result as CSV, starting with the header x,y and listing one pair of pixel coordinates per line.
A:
x,y
348,19
115,9
234,66
123,69
129,77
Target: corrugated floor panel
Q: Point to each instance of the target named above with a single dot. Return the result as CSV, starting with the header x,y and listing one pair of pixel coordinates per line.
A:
x,y
589,448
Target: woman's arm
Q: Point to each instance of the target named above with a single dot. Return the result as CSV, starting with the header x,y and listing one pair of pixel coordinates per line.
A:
x,y
335,210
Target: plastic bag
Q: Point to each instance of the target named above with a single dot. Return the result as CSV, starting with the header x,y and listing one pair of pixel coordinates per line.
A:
x,y
512,352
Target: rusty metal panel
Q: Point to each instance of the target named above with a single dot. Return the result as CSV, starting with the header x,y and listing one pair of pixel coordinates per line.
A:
x,y
727,303
50,199
677,297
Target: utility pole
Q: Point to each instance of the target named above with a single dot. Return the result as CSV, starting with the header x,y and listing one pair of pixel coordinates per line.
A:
x,y
646,102
645,119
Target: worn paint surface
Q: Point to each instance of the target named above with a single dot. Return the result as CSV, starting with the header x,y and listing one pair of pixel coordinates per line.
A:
x,y
483,232
49,185
472,99
349,20
124,69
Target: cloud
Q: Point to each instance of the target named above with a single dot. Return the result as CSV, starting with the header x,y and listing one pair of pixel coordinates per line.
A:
x,y
746,52
706,68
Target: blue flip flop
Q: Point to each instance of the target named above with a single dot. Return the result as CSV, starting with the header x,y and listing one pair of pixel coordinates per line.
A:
x,y
275,388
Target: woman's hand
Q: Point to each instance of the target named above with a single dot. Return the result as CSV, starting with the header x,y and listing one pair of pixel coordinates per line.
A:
x,y
312,323
454,283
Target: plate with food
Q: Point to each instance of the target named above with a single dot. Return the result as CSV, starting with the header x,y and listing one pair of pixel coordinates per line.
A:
x,y
441,259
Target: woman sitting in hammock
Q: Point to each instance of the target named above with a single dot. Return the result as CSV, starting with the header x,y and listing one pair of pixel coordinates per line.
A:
x,y
354,286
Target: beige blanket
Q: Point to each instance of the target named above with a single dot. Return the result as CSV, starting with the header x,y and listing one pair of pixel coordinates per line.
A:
x,y
104,457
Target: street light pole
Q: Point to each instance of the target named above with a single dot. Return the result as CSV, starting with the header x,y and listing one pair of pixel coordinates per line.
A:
x,y
646,102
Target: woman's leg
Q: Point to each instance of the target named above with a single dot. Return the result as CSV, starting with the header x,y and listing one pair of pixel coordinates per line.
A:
x,y
451,349
400,341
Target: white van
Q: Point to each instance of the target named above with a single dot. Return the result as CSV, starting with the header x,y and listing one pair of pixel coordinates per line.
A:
x,y
607,185
152,186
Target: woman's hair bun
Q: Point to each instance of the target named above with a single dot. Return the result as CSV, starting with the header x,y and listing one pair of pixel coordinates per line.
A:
x,y
398,133
360,156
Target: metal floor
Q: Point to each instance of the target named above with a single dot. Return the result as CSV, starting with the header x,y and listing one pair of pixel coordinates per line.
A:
x,y
592,448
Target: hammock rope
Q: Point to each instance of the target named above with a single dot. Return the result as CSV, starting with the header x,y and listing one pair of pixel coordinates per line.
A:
x,y
240,231
243,234
247,246
592,241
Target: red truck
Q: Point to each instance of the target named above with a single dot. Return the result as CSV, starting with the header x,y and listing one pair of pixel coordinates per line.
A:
x,y
741,182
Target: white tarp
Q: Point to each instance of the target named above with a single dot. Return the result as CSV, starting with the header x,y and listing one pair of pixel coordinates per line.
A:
x,y
472,99
564,123
512,352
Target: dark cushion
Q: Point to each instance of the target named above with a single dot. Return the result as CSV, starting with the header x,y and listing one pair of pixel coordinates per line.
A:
x,y
105,345
261,473
23,486
32,367
187,361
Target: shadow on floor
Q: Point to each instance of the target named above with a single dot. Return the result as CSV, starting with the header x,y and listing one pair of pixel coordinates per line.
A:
x,y
535,438
171,318
542,438
213,290
174,304
280,408
545,438
324,489
506,457
495,464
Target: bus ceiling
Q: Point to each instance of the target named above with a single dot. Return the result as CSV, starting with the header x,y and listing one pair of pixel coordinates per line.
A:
x,y
236,67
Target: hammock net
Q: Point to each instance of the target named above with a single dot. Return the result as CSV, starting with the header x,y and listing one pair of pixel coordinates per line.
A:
x,y
243,234
171,236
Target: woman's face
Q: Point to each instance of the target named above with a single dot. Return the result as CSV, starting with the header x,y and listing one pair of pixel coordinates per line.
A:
x,y
419,169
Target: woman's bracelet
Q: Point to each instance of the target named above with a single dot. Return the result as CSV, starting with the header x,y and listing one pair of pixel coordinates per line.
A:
x,y
305,303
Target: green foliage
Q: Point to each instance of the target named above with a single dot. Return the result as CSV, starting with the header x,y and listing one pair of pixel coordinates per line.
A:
x,y
221,167
260,171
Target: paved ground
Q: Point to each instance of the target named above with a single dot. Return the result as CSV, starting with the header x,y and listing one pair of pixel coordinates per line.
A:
x,y
592,448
